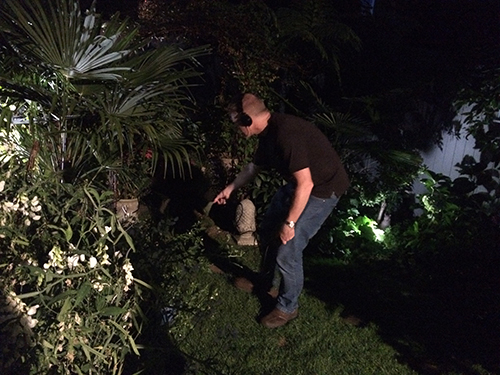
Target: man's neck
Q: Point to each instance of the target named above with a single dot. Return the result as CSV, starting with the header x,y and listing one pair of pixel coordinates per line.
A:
x,y
262,121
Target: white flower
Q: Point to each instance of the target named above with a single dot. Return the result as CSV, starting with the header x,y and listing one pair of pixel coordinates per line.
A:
x,y
27,222
82,256
36,217
107,229
73,261
32,261
24,199
34,201
32,310
105,260
2,185
92,262
36,208
32,323
127,267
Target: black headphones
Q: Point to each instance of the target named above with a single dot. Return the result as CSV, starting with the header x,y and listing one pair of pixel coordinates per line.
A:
x,y
242,119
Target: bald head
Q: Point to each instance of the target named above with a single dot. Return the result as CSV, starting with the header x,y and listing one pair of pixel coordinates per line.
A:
x,y
253,107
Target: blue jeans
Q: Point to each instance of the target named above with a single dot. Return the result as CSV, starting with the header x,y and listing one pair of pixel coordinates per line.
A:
x,y
288,258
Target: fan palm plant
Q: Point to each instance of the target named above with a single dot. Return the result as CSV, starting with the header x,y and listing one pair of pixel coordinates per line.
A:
x,y
91,94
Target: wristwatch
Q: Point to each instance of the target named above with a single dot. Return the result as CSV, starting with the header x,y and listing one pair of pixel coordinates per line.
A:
x,y
291,224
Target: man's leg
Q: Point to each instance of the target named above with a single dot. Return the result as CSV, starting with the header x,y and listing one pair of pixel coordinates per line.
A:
x,y
269,241
289,258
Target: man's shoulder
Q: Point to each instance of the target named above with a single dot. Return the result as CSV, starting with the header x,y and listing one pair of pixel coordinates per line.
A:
x,y
289,123
286,118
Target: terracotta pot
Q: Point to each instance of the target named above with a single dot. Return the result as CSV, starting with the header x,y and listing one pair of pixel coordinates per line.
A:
x,y
127,209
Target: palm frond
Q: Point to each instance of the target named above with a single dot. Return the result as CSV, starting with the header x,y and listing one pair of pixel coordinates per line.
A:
x,y
57,37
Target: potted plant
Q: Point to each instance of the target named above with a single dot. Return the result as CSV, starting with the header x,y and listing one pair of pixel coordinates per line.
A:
x,y
131,181
94,93
80,98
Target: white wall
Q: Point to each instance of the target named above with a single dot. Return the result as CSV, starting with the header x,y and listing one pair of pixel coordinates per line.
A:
x,y
443,160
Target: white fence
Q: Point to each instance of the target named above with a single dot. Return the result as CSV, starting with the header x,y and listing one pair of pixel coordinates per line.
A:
x,y
444,160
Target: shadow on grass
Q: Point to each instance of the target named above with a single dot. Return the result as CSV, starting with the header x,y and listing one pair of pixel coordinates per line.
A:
x,y
160,355
240,275
443,320
441,312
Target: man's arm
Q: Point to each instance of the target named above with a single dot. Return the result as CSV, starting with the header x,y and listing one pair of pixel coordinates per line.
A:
x,y
246,175
303,190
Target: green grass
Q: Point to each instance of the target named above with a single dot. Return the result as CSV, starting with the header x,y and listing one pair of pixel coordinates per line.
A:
x,y
229,340
367,316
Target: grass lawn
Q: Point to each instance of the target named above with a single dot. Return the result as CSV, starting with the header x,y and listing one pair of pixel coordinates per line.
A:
x,y
372,317
318,342
229,340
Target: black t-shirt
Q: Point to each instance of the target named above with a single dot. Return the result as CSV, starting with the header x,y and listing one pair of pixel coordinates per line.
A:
x,y
290,144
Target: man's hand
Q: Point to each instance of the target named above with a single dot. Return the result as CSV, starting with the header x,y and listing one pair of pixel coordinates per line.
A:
x,y
246,175
224,195
286,234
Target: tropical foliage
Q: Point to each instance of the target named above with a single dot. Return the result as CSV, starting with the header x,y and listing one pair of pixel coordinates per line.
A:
x,y
94,94
89,108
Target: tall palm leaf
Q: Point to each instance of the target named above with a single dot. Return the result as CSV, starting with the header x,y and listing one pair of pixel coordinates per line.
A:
x,y
55,35
105,93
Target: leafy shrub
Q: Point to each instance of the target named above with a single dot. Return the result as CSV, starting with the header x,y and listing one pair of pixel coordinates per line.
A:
x,y
351,233
66,275
171,264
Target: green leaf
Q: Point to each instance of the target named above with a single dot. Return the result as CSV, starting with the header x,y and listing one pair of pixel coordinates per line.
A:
x,y
144,284
30,294
112,311
87,349
47,344
119,327
69,233
64,310
83,292
133,345
65,295
78,369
